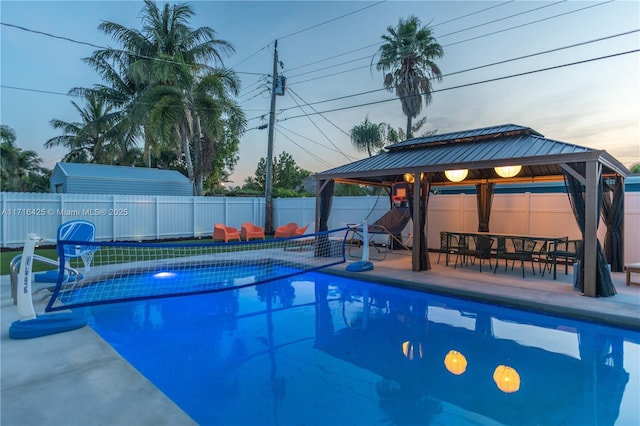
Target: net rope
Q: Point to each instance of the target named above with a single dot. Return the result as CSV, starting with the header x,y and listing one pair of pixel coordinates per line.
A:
x,y
125,271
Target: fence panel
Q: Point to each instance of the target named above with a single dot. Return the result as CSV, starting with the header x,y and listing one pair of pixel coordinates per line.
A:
x,y
131,217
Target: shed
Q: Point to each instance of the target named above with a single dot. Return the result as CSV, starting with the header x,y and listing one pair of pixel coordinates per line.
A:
x,y
424,162
80,178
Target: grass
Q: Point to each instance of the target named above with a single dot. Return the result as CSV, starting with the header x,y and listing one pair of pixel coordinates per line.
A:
x,y
50,253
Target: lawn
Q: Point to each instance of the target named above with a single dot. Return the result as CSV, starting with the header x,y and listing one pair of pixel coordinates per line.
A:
x,y
50,253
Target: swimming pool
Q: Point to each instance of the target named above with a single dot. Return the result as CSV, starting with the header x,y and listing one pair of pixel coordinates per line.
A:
x,y
317,349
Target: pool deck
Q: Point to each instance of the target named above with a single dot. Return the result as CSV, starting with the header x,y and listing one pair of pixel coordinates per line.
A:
x,y
75,378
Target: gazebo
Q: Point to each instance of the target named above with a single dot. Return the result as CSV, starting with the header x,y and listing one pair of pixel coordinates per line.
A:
x,y
594,180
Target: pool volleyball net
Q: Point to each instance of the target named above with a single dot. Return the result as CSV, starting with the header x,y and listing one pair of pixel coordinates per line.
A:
x,y
122,271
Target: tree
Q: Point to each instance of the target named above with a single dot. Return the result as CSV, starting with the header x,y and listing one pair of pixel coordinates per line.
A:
x,y
171,91
635,168
406,58
92,140
207,119
287,176
20,169
368,136
393,135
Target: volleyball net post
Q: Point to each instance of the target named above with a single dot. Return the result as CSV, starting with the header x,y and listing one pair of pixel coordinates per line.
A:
x,y
29,324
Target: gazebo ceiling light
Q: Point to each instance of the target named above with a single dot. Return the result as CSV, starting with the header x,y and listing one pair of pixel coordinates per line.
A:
x,y
456,175
507,171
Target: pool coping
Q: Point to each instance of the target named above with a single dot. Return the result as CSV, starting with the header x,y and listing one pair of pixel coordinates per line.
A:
x,y
532,293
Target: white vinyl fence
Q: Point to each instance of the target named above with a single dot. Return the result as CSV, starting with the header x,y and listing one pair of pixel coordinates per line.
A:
x,y
149,217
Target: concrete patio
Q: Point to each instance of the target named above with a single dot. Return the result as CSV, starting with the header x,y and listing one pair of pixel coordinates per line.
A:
x,y
76,378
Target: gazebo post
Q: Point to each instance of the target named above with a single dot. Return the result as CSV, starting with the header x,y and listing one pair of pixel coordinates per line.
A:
x,y
415,251
592,177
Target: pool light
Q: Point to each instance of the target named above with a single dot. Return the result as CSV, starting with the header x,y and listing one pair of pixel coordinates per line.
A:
x,y
507,379
164,275
455,362
411,351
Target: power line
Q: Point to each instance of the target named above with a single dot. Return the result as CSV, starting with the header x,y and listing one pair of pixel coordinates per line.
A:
x,y
527,23
326,119
308,139
503,18
451,44
52,35
329,21
48,92
377,43
472,13
476,83
474,68
319,159
250,56
320,130
107,48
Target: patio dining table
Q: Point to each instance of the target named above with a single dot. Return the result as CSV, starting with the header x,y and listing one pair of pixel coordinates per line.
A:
x,y
548,242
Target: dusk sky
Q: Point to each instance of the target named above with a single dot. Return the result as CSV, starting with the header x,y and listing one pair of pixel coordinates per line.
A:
x,y
327,49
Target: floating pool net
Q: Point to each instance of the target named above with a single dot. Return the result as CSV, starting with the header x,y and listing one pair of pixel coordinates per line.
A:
x,y
133,271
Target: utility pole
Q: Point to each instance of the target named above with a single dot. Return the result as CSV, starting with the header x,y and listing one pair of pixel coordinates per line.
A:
x,y
268,184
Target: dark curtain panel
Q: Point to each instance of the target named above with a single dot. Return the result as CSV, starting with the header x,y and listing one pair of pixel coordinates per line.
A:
x,y
326,199
576,193
484,198
613,215
424,187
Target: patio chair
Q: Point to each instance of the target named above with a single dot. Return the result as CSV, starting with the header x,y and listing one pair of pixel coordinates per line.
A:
x,y
482,249
448,245
517,249
383,235
566,250
463,251
301,242
286,231
249,231
300,231
225,233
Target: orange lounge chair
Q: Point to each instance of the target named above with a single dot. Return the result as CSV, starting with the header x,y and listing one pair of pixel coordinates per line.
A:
x,y
285,231
225,233
300,231
249,231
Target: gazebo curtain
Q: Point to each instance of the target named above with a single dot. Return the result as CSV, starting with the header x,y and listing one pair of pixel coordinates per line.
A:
x,y
326,199
576,192
484,198
424,186
613,217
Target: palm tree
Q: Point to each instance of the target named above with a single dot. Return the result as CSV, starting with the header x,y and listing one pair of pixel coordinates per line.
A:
x,y
406,58
180,100
203,114
90,140
367,136
20,169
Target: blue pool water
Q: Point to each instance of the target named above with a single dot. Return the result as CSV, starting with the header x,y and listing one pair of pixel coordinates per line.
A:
x,y
317,349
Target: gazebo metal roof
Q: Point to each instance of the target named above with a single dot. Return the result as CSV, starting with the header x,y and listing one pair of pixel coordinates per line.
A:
x,y
478,150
